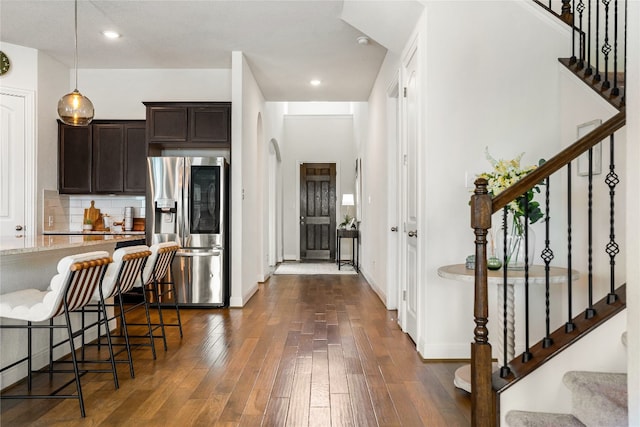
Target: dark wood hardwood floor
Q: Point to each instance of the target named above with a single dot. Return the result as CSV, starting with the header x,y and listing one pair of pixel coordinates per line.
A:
x,y
305,351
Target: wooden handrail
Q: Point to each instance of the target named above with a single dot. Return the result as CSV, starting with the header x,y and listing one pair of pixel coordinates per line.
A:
x,y
559,161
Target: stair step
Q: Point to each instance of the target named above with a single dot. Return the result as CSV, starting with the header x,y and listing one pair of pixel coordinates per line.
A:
x,y
541,419
598,398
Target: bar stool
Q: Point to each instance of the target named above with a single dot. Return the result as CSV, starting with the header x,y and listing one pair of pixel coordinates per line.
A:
x,y
71,289
121,276
158,280
156,275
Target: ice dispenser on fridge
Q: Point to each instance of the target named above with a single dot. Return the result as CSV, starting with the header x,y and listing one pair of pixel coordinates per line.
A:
x,y
188,196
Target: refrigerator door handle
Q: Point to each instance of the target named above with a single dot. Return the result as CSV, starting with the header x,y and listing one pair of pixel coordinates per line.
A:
x,y
208,253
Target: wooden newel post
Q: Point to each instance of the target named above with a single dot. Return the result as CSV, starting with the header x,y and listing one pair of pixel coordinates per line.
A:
x,y
483,411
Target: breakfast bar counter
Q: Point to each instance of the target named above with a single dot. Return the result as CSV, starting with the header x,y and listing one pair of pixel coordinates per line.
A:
x,y
14,245
31,262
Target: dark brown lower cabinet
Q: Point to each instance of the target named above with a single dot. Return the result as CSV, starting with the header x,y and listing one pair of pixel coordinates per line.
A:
x,y
106,157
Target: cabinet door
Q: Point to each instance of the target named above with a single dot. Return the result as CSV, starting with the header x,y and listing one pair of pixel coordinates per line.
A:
x,y
210,124
167,124
75,152
135,158
108,158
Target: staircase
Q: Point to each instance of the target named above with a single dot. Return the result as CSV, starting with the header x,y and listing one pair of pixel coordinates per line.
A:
x,y
597,398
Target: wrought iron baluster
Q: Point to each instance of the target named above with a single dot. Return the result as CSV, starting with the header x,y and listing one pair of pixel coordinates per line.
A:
x,y
597,77
606,47
590,311
573,58
526,355
589,70
569,326
547,257
580,8
613,249
615,91
504,369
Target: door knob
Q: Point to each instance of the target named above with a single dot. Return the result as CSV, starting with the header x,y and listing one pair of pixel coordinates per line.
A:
x,y
394,229
18,228
413,233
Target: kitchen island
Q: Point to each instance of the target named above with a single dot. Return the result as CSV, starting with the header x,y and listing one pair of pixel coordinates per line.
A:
x,y
31,262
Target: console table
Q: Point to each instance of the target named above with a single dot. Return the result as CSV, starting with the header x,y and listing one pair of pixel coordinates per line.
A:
x,y
514,277
354,235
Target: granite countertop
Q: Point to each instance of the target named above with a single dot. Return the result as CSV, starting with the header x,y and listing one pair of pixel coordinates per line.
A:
x,y
11,245
93,232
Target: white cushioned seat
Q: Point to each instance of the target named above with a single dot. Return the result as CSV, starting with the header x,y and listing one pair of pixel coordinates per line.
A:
x,y
109,281
147,274
78,277
35,305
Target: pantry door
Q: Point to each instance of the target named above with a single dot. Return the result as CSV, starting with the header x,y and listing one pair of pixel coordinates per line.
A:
x,y
16,173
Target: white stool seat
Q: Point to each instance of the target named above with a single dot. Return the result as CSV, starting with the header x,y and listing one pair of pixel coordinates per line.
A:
x,y
71,289
34,305
120,277
110,279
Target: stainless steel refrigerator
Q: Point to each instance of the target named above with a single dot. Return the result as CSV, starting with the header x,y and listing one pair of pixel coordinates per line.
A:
x,y
187,202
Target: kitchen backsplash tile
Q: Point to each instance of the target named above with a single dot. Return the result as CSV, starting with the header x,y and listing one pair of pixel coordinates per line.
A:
x,y
66,212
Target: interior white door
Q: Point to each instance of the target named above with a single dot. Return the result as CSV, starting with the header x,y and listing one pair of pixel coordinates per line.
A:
x,y
393,199
410,162
12,165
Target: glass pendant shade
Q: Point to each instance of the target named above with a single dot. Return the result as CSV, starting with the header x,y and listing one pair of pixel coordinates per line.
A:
x,y
75,109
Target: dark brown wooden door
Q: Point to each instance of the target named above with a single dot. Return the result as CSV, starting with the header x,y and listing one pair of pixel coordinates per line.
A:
x,y
317,211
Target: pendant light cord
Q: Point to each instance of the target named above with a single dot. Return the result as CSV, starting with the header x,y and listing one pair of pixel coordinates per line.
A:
x,y
75,40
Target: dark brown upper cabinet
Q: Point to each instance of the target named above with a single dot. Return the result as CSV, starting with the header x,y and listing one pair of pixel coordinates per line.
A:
x,y
188,125
106,157
75,154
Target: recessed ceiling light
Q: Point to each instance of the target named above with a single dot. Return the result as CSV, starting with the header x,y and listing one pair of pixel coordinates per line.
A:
x,y
315,82
110,34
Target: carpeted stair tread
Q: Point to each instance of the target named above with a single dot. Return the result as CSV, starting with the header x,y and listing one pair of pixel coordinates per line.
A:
x,y
598,398
541,419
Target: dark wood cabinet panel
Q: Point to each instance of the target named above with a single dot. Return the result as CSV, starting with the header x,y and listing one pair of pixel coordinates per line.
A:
x,y
210,124
188,125
106,157
135,158
168,124
75,153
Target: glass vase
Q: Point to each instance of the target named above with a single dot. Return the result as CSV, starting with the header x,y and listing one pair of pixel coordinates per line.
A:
x,y
517,251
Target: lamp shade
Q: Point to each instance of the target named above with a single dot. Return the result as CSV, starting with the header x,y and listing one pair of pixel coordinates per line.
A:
x,y
75,109
347,200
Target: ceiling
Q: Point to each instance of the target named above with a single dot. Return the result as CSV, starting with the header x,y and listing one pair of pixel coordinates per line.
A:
x,y
286,43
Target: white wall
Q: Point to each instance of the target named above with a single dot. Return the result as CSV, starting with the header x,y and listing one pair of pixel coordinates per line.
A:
x,y
52,85
378,153
118,94
249,143
273,125
314,138
633,211
578,105
473,97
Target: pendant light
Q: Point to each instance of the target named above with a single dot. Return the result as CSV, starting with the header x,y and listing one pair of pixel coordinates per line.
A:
x,y
74,108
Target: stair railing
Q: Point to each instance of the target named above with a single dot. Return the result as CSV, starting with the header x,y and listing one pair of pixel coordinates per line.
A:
x,y
484,399
598,50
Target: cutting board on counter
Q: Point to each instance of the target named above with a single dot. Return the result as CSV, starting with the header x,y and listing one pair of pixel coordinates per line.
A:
x,y
93,214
